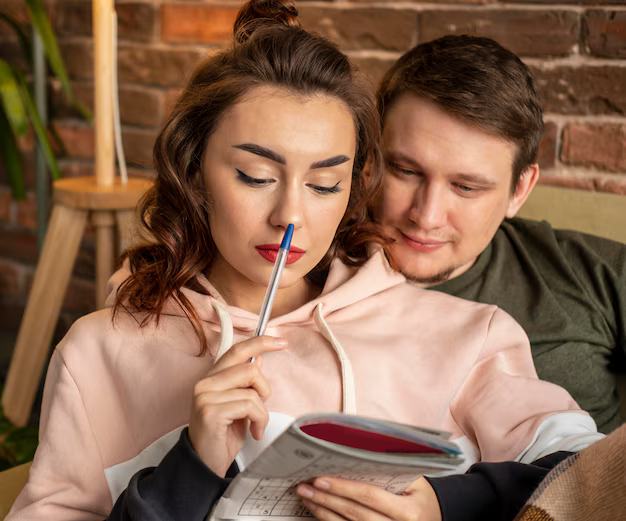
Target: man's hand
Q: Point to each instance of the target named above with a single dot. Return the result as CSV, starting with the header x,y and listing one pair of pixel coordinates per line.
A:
x,y
333,499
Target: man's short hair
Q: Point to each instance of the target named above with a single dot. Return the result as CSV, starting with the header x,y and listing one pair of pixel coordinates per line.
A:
x,y
478,81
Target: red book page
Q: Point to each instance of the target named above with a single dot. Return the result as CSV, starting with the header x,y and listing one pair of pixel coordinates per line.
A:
x,y
365,440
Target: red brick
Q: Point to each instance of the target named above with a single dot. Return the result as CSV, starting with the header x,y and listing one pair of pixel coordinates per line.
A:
x,y
373,68
575,2
28,171
444,2
78,58
27,212
11,52
197,23
60,107
586,89
11,279
135,21
360,28
141,106
601,146
78,138
18,244
171,97
74,168
17,10
138,105
547,147
5,205
164,67
605,33
11,312
613,186
525,32
138,145
579,183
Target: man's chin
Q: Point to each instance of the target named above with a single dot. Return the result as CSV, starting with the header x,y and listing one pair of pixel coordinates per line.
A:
x,y
429,280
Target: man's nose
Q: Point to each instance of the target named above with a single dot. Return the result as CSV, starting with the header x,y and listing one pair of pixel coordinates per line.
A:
x,y
429,208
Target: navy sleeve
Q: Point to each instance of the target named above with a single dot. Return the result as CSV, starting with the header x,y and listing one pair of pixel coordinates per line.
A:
x,y
494,491
181,487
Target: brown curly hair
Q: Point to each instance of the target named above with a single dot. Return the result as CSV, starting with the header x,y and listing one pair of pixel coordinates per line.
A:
x,y
269,48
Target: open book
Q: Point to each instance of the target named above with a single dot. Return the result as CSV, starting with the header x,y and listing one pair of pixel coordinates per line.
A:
x,y
386,454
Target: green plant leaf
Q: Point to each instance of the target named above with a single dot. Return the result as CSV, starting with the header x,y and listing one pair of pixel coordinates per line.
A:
x,y
21,36
11,100
42,25
13,164
38,127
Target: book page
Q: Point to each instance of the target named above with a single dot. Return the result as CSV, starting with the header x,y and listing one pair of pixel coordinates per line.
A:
x,y
265,489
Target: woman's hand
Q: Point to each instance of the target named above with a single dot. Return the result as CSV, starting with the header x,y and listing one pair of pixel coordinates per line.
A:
x,y
229,401
333,499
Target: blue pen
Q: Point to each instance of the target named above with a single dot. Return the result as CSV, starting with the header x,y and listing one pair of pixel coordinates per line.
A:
x,y
279,266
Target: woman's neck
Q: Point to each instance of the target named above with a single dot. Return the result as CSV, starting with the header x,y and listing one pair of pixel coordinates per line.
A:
x,y
245,294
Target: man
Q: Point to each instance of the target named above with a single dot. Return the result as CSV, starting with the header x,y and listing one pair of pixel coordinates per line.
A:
x,y
461,127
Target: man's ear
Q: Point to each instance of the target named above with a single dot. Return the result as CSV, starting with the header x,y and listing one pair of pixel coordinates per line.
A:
x,y
525,185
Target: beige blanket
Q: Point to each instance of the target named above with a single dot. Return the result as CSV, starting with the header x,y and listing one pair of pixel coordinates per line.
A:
x,y
587,486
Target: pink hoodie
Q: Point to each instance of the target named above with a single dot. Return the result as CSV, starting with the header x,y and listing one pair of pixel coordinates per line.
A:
x,y
117,396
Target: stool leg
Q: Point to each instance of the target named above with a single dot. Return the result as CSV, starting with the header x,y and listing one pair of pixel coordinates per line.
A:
x,y
42,311
104,221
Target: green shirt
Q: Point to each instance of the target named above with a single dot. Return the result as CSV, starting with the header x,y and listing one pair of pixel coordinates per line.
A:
x,y
568,291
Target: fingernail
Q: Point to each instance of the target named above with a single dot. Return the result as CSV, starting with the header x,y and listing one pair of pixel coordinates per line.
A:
x,y
310,506
304,491
281,342
321,483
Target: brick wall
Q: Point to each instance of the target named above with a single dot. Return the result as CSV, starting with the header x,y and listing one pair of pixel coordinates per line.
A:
x,y
576,49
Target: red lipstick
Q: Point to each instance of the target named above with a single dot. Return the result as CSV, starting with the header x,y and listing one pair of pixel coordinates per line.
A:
x,y
270,251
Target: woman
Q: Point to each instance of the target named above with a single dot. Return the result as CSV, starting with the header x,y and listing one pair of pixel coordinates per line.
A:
x,y
276,130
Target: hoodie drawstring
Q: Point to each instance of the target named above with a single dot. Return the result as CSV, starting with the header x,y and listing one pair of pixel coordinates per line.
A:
x,y
226,325
347,377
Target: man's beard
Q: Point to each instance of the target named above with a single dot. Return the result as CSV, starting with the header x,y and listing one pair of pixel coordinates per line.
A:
x,y
433,280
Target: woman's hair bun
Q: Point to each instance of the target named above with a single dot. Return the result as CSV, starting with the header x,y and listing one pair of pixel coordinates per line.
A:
x,y
261,13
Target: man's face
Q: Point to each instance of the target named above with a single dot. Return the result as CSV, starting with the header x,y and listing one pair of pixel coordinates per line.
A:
x,y
447,189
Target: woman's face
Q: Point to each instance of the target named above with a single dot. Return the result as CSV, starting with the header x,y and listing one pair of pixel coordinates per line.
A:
x,y
277,159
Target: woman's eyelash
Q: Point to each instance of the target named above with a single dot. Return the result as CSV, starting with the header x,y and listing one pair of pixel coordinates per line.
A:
x,y
327,189
252,181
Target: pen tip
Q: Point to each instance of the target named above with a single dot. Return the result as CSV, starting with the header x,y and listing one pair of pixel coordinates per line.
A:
x,y
287,237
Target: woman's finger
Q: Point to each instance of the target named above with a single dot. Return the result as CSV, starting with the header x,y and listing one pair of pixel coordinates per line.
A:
x,y
329,507
239,376
214,414
243,351
333,490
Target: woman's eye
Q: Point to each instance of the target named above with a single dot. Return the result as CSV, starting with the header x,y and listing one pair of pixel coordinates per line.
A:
x,y
326,189
252,181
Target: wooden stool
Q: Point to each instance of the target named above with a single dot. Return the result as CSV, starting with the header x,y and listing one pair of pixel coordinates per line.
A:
x,y
74,201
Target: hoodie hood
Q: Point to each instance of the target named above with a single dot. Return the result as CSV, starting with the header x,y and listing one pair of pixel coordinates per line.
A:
x,y
344,287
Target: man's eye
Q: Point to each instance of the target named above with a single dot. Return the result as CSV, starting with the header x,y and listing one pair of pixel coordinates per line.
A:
x,y
252,181
326,189
399,170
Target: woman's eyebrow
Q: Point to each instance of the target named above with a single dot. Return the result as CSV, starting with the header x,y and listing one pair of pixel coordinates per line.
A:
x,y
262,151
276,157
331,161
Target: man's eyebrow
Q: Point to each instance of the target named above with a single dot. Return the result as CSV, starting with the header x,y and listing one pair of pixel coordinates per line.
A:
x,y
262,151
331,161
462,176
476,178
